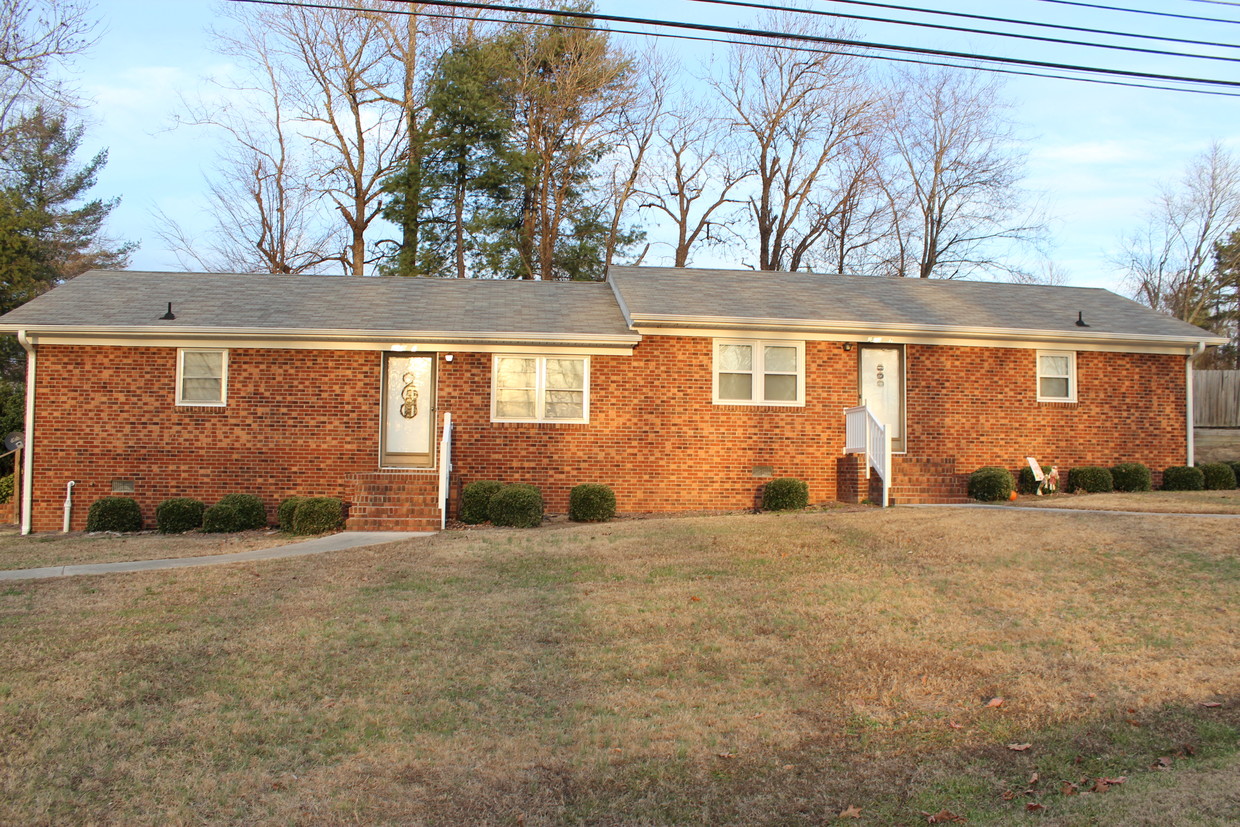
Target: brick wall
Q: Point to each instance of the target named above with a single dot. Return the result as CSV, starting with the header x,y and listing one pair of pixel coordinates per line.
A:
x,y
301,421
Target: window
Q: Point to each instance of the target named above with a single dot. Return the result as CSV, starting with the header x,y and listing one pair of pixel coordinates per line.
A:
x,y
540,389
1056,376
753,372
202,377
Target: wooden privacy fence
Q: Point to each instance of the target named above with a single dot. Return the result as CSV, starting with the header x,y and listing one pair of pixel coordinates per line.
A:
x,y
1216,398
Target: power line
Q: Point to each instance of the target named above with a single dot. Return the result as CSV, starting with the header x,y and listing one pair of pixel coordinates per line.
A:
x,y
834,41
1015,22
1141,11
942,27
725,41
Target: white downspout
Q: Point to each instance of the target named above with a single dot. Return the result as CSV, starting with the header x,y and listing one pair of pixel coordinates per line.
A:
x,y
27,493
1188,395
69,503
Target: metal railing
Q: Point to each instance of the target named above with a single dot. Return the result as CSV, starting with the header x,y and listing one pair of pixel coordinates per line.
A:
x,y
445,469
864,434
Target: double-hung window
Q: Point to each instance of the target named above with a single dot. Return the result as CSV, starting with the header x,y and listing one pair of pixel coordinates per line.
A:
x,y
202,377
1056,376
759,372
540,388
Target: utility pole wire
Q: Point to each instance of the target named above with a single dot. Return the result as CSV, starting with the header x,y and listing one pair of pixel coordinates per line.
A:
x,y
965,29
1142,11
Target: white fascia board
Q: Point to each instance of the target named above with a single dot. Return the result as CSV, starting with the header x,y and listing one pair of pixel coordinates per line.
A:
x,y
912,333
322,339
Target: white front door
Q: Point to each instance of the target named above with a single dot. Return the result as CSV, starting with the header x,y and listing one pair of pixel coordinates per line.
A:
x,y
408,410
882,388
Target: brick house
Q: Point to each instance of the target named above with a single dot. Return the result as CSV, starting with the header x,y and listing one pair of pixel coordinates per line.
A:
x,y
682,389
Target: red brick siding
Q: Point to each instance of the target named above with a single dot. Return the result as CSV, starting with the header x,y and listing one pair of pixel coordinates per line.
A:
x,y
301,422
979,406
297,421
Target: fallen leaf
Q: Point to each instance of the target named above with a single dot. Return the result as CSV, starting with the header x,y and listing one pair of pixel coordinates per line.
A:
x,y
1008,795
955,725
1210,704
789,767
726,754
1162,763
1189,750
851,812
944,817
1116,781
1132,722
695,600
1069,788
1033,807
1033,779
995,702
1019,747
757,715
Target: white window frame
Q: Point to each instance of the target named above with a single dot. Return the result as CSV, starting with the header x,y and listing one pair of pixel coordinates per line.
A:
x,y
181,351
540,387
1071,377
759,372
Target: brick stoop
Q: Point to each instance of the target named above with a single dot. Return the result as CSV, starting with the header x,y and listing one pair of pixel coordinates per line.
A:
x,y
927,481
394,501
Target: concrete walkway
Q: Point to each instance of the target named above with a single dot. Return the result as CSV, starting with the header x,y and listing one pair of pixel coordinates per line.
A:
x,y
998,506
319,545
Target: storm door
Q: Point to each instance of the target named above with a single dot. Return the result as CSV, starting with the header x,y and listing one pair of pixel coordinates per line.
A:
x,y
408,435
882,388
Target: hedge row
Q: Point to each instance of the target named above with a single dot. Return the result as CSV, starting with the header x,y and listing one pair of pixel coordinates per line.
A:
x,y
991,483
521,506
233,512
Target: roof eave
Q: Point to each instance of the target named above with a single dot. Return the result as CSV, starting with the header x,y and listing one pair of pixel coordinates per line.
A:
x,y
864,329
324,335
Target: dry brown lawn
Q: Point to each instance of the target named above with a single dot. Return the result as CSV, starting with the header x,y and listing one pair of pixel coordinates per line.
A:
x,y
771,669
39,550
1166,502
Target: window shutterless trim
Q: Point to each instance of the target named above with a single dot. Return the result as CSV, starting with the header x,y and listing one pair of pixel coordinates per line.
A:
x,y
180,388
540,388
759,373
1071,375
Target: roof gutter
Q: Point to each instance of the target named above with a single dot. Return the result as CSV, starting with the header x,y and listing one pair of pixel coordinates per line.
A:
x,y
868,329
618,340
27,492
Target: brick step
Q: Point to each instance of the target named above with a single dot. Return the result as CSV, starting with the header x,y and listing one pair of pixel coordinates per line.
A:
x,y
392,524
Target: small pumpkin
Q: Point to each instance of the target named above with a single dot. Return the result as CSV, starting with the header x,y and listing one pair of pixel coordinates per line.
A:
x,y
1012,496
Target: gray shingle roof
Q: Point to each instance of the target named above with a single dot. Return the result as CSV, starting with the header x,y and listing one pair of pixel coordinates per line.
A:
x,y
463,309
689,297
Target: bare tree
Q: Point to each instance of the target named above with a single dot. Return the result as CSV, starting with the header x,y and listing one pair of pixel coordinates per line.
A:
x,y
35,36
799,114
953,189
693,178
264,208
1171,260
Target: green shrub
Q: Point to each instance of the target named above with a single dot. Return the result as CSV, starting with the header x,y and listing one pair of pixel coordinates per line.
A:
x,y
591,503
785,494
6,488
517,505
1218,476
476,500
991,483
250,510
178,515
1131,476
222,518
1235,469
318,515
1092,479
284,514
114,514
1183,478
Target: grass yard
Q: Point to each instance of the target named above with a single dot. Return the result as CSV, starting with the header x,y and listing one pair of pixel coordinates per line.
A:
x,y
772,669
39,550
1173,502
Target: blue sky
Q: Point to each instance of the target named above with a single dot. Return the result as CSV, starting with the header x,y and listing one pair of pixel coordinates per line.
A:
x,y
1096,153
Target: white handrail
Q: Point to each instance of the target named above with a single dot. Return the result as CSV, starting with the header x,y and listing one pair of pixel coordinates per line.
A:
x,y
865,434
445,469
